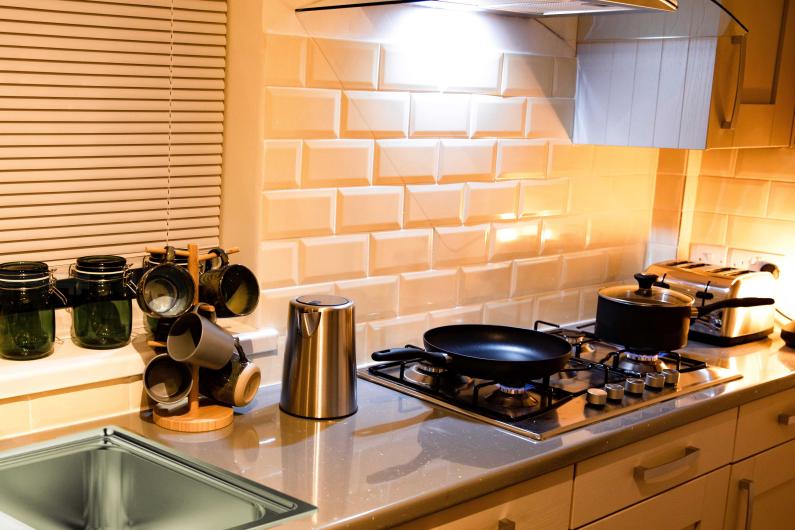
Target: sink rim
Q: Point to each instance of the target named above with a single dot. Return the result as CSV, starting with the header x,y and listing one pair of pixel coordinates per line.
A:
x,y
278,507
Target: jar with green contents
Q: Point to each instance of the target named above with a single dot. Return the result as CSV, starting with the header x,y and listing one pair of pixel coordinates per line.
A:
x,y
27,315
102,305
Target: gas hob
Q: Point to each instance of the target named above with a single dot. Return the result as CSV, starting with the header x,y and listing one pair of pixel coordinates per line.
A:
x,y
600,381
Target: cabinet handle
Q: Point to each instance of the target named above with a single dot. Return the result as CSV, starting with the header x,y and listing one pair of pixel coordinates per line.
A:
x,y
657,473
748,486
786,419
742,41
506,524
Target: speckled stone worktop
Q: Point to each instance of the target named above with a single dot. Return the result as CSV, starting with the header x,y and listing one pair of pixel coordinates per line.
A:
x,y
399,458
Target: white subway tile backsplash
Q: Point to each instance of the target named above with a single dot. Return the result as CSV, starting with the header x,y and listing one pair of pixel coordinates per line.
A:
x,y
400,251
439,115
409,68
333,258
362,353
514,240
536,275
425,291
550,118
432,69
563,234
456,316
301,113
623,263
369,208
495,116
406,161
373,298
396,332
337,163
492,201
433,205
732,196
285,60
588,298
566,160
527,75
281,164
274,304
561,307
781,201
375,114
514,313
709,228
483,283
278,264
521,159
618,227
544,197
460,245
466,160
342,64
584,268
292,213
766,235
565,77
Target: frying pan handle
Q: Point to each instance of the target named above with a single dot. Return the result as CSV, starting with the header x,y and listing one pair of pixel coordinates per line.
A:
x,y
410,353
734,302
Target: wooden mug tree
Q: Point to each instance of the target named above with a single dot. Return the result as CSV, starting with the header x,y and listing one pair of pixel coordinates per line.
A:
x,y
197,415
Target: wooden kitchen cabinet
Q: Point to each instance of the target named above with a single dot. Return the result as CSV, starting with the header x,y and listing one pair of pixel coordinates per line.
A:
x,y
614,480
698,505
542,503
764,485
765,422
767,94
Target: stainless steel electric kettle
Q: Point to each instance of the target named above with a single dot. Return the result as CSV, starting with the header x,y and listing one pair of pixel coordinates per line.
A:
x,y
319,377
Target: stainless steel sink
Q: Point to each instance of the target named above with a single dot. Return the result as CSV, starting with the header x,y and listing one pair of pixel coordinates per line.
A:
x,y
112,479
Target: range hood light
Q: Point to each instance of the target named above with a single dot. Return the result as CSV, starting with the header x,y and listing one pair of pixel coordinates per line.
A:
x,y
528,8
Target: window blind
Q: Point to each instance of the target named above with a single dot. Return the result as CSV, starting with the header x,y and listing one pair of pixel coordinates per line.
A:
x,y
111,125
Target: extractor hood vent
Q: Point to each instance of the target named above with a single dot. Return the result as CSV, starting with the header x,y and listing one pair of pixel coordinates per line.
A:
x,y
528,8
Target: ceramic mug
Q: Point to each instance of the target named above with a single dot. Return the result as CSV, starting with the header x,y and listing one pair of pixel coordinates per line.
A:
x,y
166,380
166,290
197,340
232,289
235,384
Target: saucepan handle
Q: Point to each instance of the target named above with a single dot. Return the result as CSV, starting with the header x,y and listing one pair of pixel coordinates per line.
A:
x,y
734,302
409,353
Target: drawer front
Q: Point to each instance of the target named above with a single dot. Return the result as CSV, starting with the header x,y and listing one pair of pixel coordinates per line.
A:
x,y
764,423
612,481
542,503
695,504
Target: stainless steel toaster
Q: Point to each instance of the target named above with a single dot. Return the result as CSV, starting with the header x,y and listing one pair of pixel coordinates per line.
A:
x,y
712,283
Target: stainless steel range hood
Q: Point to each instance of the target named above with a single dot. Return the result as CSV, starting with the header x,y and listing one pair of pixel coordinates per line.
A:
x,y
528,8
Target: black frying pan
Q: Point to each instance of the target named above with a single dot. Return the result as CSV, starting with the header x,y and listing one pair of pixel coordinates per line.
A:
x,y
511,356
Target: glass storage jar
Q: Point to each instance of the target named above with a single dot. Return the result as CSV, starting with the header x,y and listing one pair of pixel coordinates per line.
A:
x,y
102,306
27,315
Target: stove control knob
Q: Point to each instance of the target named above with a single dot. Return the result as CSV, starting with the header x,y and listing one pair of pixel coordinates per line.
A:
x,y
596,396
655,380
615,392
633,385
671,376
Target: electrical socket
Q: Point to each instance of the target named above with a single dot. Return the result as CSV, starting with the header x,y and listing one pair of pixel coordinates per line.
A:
x,y
746,259
712,254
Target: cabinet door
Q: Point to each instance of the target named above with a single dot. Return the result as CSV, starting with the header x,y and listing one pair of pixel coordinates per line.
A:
x,y
696,505
762,491
541,503
766,89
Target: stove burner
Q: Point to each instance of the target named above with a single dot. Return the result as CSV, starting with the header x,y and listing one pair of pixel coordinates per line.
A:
x,y
427,375
640,363
578,339
513,402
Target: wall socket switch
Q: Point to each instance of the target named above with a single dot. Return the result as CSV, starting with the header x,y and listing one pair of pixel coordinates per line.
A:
x,y
712,254
748,259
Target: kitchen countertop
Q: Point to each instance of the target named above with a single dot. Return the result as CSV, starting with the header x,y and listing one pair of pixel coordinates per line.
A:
x,y
399,458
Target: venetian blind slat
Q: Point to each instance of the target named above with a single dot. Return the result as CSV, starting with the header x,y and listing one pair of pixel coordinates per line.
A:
x,y
21,223
111,125
140,10
135,35
94,174
76,208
